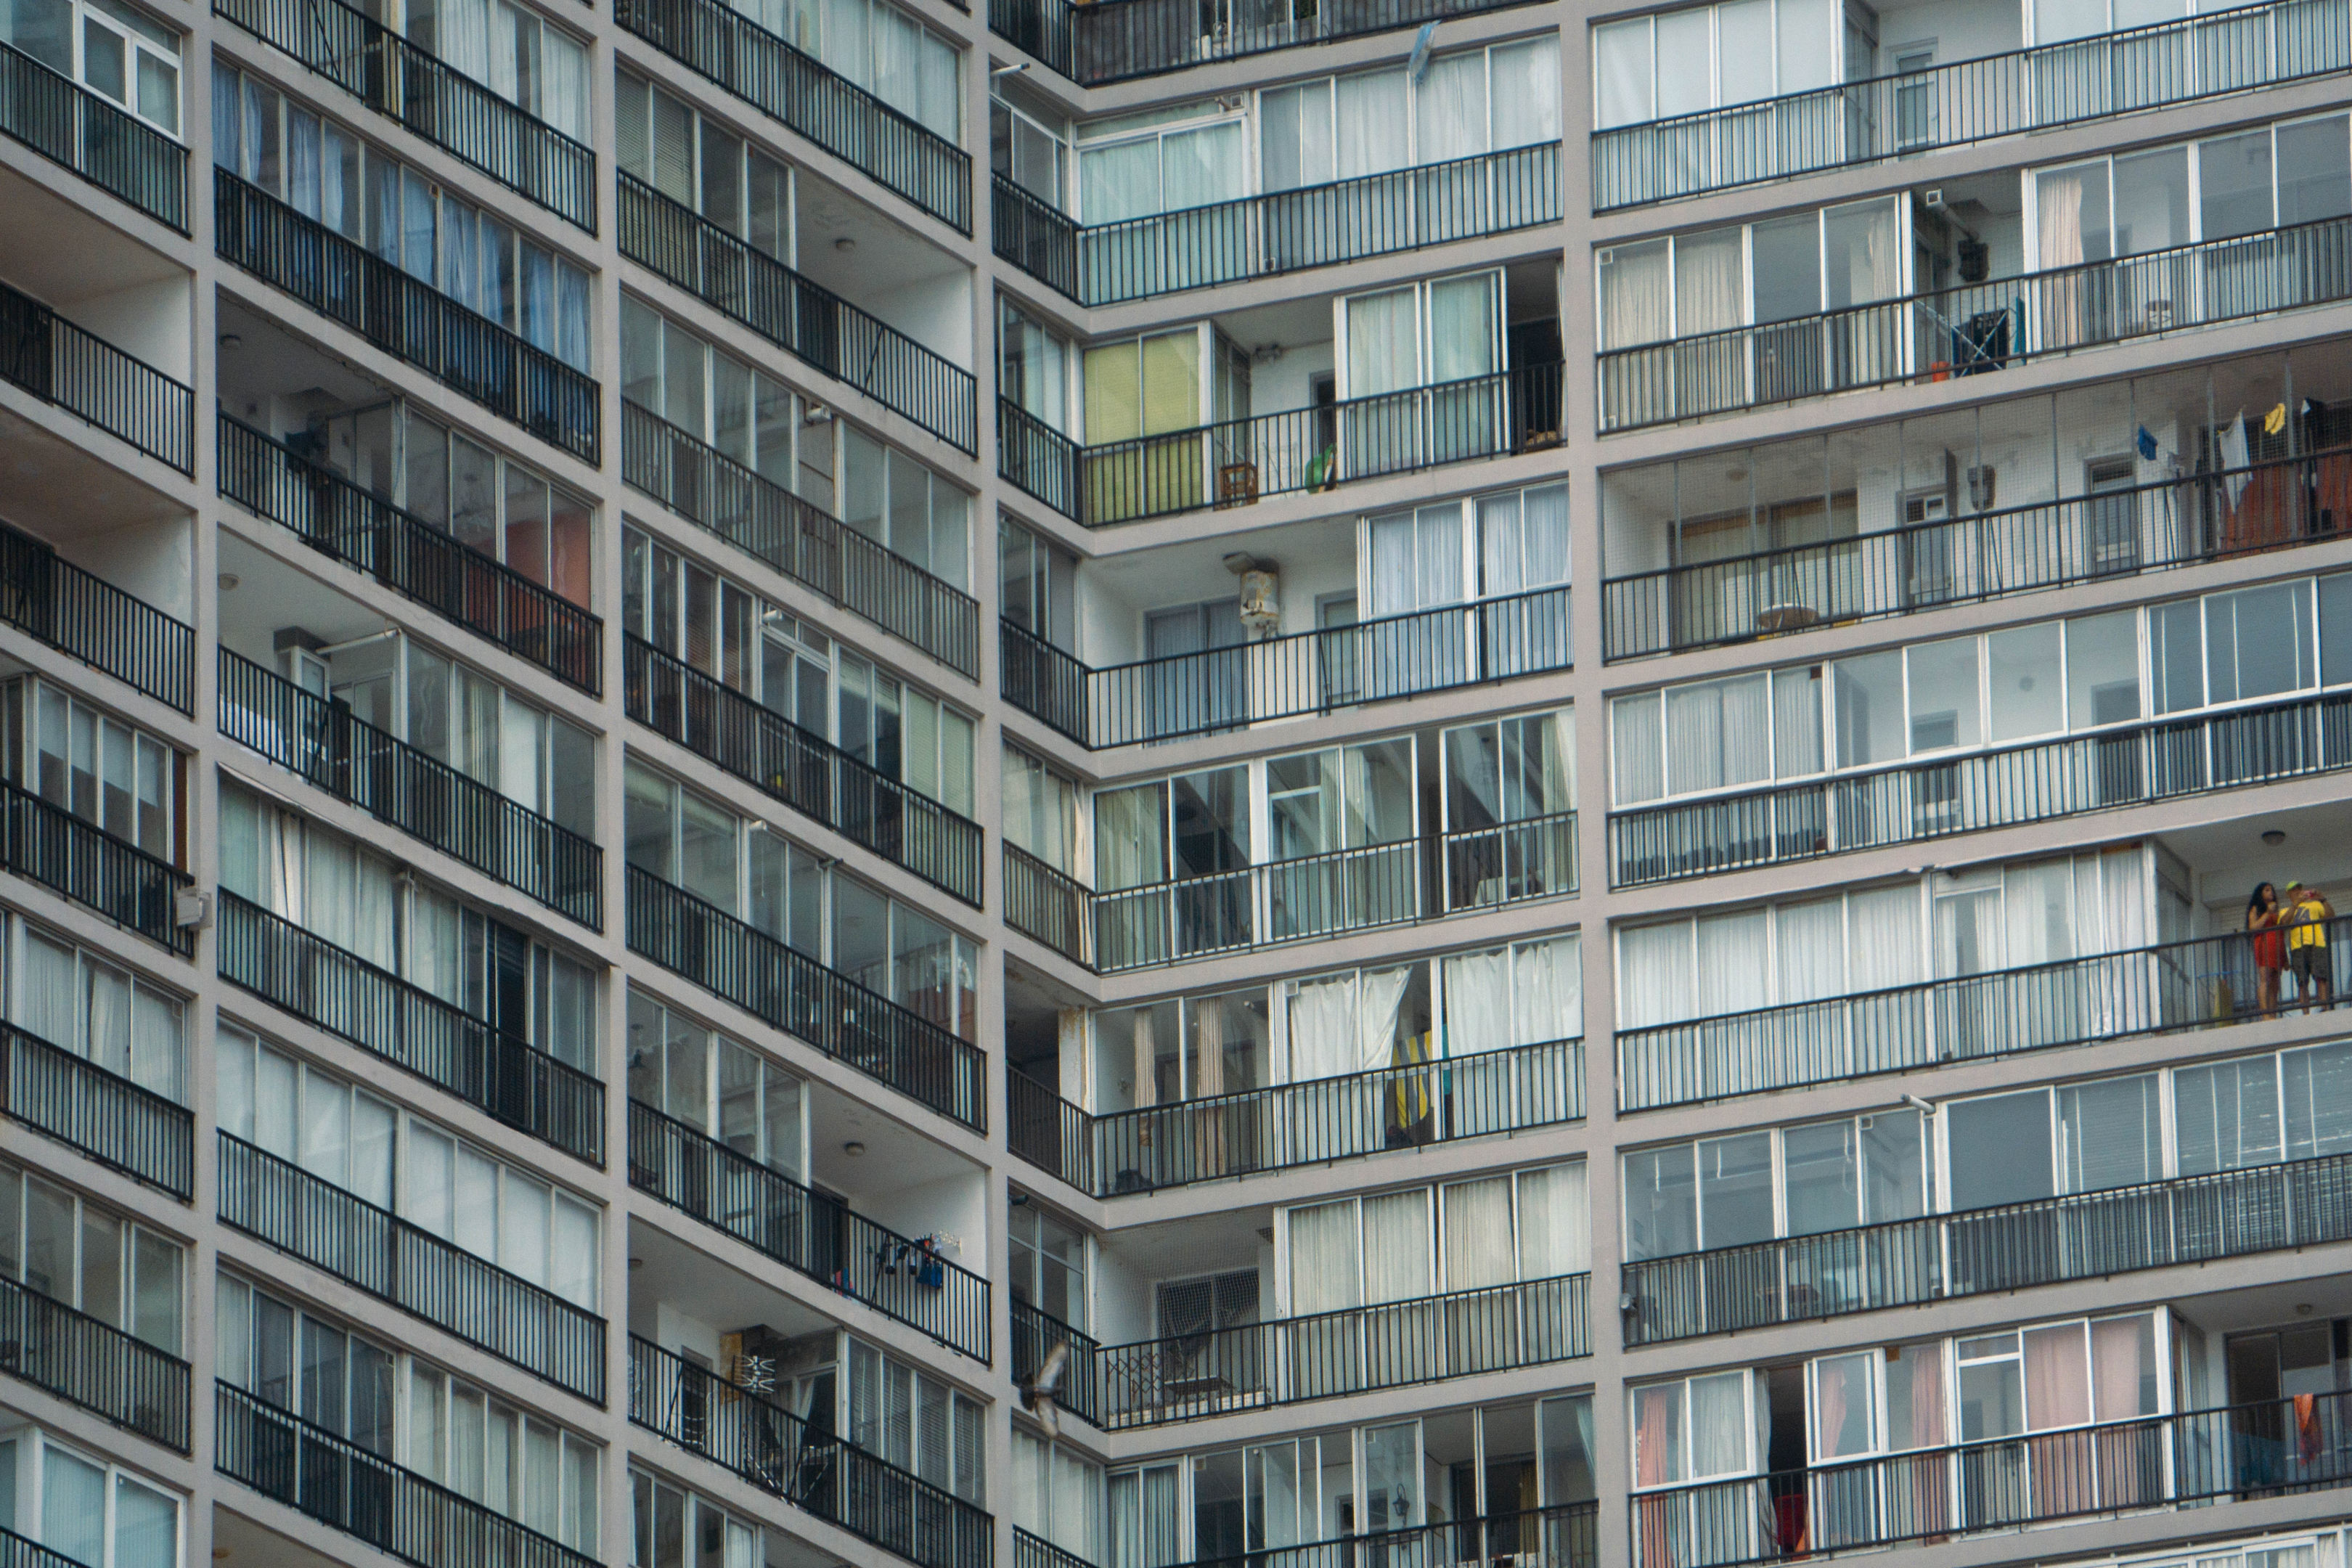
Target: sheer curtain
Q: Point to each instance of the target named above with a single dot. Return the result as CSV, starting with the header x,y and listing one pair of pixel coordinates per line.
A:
x,y
1637,288
1477,1234
1383,350
1477,1003
1708,274
1527,92
1128,849
1655,984
1374,123
1550,985
108,1040
1322,1028
1450,108
1325,1273
1376,1016
1555,1224
1199,167
1734,965
1638,748
1462,331
1809,942
1884,939
1396,1247
564,89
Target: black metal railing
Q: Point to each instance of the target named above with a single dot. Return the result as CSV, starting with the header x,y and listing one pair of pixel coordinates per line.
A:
x,y
43,353
807,1463
1921,566
431,97
1978,328
1299,449
2188,985
392,780
1279,232
94,1365
1036,1335
510,1079
799,315
1286,676
16,1552
1410,1105
808,1232
2037,782
831,110
1028,1552
55,602
121,1124
1909,112
406,317
798,538
393,1260
363,1494
67,123
2270,1448
918,1056
1112,40
803,771
83,862
2013,1247
410,556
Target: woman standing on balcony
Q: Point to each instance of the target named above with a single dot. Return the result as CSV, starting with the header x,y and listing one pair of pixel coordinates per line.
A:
x,y
2270,945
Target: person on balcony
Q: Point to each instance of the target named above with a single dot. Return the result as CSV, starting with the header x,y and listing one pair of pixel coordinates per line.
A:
x,y
2263,918
2307,944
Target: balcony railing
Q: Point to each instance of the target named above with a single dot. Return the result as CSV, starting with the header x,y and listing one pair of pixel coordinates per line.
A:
x,y
2242,1452
1977,328
2017,550
121,1124
1036,1334
2174,985
393,781
440,103
94,1365
16,1552
831,110
67,123
521,1324
1287,676
1281,1125
1108,42
410,556
405,317
82,373
1028,1552
794,992
343,994
798,315
808,1232
2037,782
1240,460
83,862
803,771
2014,1247
345,1486
1909,112
55,602
807,1465
1279,232
798,538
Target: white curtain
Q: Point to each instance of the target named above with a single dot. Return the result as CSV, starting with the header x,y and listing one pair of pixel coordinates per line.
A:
x,y
1374,123
1146,1061
1625,92
1295,136
564,93
464,36
1477,1234
1694,737
1393,588
1449,108
2039,901
1638,748
1199,167
1544,557
1376,1016
1437,566
1120,180
1653,975
1550,985
1527,92
1709,274
1396,1247
46,1001
897,70
1462,331
1322,1028
1637,288
1383,345
109,1035
1735,967
1884,938
1477,1003
1555,1225
1325,1274
1810,943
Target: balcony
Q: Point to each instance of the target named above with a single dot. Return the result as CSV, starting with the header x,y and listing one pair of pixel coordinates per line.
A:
x,y
443,105
799,539
2083,1236
803,771
346,1488
121,1124
1036,1335
2136,764
1288,1124
1279,232
2202,1457
2243,49
1293,676
73,127
392,1261
414,1030
1977,328
1296,450
356,762
82,373
408,320
93,1366
410,556
799,315
812,1467
839,116
793,992
807,1232
1993,555
1028,1552
1099,43
2199,984
89,866
53,601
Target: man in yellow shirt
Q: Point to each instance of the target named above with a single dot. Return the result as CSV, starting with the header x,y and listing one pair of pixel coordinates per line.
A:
x,y
2307,953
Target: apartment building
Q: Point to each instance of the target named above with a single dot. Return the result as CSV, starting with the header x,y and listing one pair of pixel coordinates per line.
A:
x,y
1329,783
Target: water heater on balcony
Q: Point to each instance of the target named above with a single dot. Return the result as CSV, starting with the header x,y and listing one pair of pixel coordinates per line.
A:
x,y
1261,594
